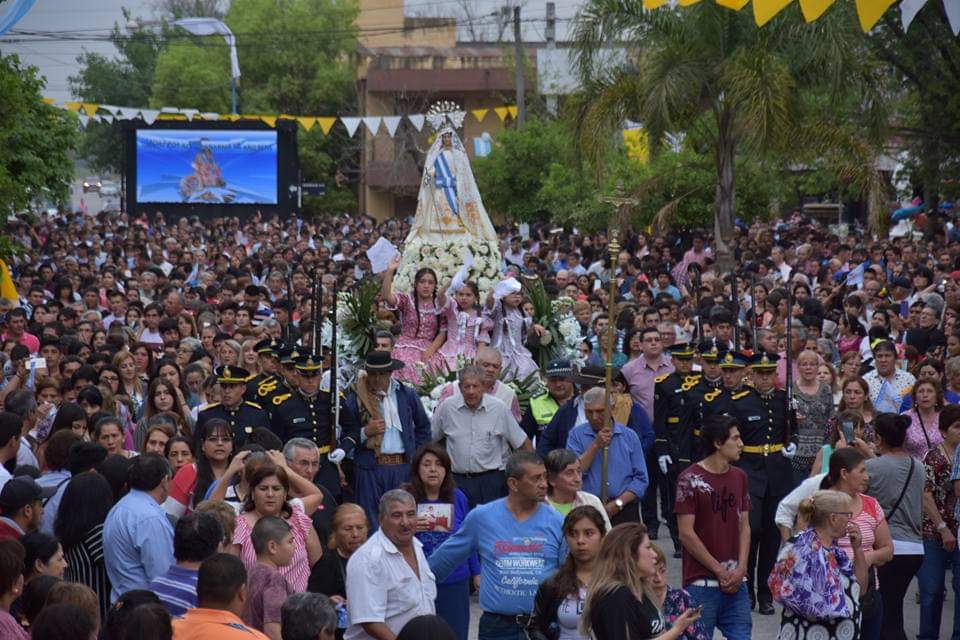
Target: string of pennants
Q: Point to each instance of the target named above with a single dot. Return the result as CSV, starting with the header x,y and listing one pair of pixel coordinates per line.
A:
x,y
96,112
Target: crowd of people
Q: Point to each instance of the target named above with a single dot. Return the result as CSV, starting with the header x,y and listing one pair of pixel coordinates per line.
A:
x,y
174,464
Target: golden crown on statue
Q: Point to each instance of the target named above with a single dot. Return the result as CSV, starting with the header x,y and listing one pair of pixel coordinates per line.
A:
x,y
445,113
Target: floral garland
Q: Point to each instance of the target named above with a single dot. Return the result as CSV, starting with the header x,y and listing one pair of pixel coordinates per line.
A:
x,y
446,259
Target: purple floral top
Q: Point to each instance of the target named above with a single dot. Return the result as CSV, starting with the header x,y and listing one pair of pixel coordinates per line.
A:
x,y
811,579
674,604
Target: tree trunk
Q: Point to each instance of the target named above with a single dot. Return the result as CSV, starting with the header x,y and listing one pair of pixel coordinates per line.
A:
x,y
725,199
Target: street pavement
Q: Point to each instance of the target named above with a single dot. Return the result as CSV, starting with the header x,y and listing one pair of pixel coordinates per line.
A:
x,y
767,627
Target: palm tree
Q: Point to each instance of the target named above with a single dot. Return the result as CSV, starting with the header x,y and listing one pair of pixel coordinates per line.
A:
x,y
734,87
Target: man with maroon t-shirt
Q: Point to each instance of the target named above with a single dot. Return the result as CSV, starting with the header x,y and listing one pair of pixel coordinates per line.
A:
x,y
712,507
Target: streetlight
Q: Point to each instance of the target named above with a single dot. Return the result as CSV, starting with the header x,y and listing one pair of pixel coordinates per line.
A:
x,y
209,27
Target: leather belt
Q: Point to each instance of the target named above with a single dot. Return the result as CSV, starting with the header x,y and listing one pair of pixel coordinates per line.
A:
x,y
763,450
521,620
391,458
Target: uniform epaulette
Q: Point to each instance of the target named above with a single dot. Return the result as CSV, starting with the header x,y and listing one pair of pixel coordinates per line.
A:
x,y
253,404
209,405
250,377
710,396
280,399
661,378
742,394
693,377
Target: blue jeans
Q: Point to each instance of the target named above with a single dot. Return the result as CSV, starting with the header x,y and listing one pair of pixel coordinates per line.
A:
x,y
497,628
930,579
729,612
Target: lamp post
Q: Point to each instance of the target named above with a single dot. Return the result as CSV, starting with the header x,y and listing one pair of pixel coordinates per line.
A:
x,y
210,27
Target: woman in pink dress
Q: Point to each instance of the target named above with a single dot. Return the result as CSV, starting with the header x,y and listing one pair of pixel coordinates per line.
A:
x,y
466,325
421,329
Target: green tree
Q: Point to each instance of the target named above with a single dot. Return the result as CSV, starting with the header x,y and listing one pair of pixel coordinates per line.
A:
x,y
736,88
124,81
294,59
36,140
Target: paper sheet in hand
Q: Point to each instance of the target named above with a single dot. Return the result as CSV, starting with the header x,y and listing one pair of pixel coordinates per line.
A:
x,y
439,517
380,255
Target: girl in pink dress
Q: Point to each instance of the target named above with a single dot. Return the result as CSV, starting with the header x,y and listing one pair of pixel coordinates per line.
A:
x,y
421,329
466,325
511,326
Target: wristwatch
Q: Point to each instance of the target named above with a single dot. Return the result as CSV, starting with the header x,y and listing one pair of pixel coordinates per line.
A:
x,y
942,525
619,504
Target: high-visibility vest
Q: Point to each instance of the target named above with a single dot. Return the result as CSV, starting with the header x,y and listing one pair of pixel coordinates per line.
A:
x,y
543,407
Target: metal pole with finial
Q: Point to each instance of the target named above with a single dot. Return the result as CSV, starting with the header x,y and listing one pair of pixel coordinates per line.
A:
x,y
608,379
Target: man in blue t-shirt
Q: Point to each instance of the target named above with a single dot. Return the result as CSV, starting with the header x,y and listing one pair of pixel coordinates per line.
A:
x,y
520,542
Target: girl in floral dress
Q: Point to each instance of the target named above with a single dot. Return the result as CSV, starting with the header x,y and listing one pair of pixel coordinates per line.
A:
x,y
511,326
421,330
466,325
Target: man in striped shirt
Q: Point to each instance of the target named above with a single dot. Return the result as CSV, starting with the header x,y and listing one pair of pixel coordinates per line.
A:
x,y
197,536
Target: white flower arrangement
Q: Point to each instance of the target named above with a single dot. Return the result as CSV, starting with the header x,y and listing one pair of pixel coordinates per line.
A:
x,y
446,259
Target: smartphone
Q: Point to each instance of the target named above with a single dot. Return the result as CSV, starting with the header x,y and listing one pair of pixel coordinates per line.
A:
x,y
848,432
698,609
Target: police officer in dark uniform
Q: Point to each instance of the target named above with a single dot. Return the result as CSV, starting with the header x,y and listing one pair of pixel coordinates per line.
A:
x,y
693,406
244,416
305,413
732,366
545,405
265,383
761,411
674,439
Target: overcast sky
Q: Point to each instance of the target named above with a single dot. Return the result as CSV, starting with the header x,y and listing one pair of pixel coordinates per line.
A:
x,y
57,60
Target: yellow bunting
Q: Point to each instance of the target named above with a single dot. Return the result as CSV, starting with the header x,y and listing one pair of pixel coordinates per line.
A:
x,y
813,9
480,114
869,11
512,111
637,144
48,101
765,10
171,116
8,289
90,108
307,123
270,120
326,124
72,106
502,112
650,5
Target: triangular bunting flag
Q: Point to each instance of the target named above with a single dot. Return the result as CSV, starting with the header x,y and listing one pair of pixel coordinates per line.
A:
x,y
952,8
83,119
653,4
149,115
480,114
501,112
813,9
230,117
210,115
190,113
326,124
909,10
107,118
351,124
128,114
90,108
763,10
417,120
72,106
512,112
307,123
391,123
270,120
48,101
869,11
372,123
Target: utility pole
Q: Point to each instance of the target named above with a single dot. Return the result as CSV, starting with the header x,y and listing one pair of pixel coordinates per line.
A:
x,y
518,54
551,33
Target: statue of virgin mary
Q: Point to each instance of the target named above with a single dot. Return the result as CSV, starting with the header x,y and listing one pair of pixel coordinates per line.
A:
x,y
448,204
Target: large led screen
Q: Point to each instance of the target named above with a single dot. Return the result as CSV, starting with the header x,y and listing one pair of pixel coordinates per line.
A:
x,y
197,166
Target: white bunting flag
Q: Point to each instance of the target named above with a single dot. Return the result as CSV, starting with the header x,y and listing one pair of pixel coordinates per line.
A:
x,y
210,115
83,119
351,124
128,114
909,10
417,120
952,8
391,123
372,123
149,115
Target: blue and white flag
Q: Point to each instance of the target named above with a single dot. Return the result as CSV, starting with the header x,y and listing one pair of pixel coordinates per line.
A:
x,y
447,181
855,275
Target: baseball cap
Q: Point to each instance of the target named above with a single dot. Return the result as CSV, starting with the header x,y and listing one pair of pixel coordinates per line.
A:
x,y
21,491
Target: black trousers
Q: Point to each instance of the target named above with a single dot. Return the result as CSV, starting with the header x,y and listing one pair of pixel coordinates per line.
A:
x,y
481,488
630,513
764,545
895,577
658,486
673,472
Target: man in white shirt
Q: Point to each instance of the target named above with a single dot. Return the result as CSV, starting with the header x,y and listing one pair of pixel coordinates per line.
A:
x,y
388,579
